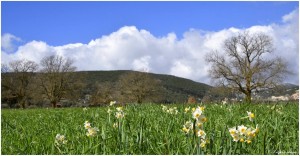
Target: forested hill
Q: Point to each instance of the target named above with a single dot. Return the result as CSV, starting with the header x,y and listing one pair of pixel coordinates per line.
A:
x,y
177,89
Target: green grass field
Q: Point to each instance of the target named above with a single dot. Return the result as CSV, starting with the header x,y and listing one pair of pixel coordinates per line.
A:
x,y
147,129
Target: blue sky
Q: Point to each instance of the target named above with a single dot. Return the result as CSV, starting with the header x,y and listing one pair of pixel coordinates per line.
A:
x,y
160,37
59,23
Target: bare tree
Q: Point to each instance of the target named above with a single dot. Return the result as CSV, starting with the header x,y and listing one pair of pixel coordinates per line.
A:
x,y
104,93
17,80
4,68
138,87
244,66
57,80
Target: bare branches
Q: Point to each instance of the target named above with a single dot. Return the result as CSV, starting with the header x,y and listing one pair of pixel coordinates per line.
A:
x,y
19,85
56,81
244,66
138,87
23,66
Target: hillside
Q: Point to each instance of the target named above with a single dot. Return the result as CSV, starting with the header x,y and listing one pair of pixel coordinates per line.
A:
x,y
178,89
281,90
175,89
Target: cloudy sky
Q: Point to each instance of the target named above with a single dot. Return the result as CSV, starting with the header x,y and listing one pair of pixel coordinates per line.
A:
x,y
161,37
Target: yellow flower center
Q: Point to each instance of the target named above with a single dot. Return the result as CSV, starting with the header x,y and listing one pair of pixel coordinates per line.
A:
x,y
199,124
242,140
235,137
232,132
184,129
201,133
243,130
202,145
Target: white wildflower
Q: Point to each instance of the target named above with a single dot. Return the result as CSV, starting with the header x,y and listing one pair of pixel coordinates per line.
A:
x,y
112,103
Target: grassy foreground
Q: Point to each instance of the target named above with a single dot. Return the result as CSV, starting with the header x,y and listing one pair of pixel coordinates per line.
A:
x,y
147,129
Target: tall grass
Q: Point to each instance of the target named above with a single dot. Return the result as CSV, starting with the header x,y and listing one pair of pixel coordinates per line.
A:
x,y
146,129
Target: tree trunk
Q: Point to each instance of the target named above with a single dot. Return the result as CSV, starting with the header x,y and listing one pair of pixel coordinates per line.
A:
x,y
248,97
23,104
53,104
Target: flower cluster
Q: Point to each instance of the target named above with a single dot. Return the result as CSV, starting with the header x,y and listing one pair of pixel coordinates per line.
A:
x,y
115,125
60,139
120,113
187,109
92,131
85,109
172,110
243,133
199,119
188,127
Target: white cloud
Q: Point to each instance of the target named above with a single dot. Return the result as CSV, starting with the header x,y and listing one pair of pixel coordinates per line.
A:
x,y
131,48
142,64
182,70
7,42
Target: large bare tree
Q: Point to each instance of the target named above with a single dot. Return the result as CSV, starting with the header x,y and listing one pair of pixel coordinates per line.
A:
x,y
17,80
138,87
57,80
246,64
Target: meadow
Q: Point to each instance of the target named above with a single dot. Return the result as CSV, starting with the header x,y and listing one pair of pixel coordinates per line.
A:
x,y
151,129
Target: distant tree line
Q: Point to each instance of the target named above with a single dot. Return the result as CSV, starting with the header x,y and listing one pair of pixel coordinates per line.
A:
x,y
28,84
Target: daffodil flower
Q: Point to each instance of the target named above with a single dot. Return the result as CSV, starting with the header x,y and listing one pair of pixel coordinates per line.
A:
x,y
115,125
201,134
185,130
199,125
236,137
248,141
201,108
186,109
120,109
119,115
233,131
92,132
256,129
251,116
202,119
60,139
197,113
164,108
193,109
112,103
242,129
204,142
109,111
87,125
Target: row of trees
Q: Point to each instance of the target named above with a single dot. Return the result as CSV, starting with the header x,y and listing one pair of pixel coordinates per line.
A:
x,y
24,83
244,67
137,87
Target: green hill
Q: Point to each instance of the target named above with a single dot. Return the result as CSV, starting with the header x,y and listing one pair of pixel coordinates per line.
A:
x,y
177,89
